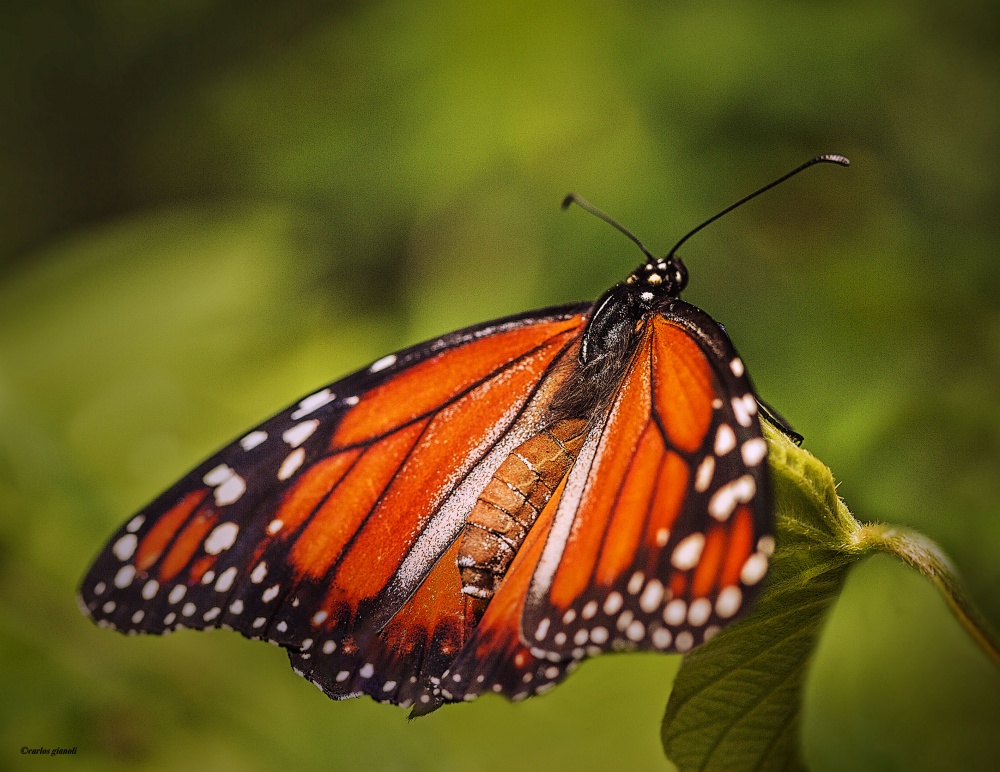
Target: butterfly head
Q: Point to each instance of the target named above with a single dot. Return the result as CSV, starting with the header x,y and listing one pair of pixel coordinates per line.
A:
x,y
657,278
613,322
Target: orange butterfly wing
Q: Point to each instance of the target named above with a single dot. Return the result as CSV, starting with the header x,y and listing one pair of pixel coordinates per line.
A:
x,y
645,544
324,528
663,532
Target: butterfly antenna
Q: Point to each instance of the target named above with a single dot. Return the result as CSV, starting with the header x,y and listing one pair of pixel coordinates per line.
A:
x,y
572,198
820,159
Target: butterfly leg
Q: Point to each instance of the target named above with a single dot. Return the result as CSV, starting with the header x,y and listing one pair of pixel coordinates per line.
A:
x,y
776,419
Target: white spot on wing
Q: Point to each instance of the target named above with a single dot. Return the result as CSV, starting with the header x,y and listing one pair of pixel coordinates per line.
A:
x,y
543,629
599,635
635,583
225,580
258,574
765,544
589,610
675,612
300,432
699,611
271,593
274,526
703,477
635,631
124,576
650,599
177,593
724,500
253,439
729,601
725,440
613,603
313,402
291,463
384,362
221,538
753,451
125,546
230,491
688,552
754,569
740,411
662,638
218,475
367,671
737,367
684,642
149,589
135,523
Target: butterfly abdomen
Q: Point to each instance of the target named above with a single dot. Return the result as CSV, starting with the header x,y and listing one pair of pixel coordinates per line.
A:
x,y
510,503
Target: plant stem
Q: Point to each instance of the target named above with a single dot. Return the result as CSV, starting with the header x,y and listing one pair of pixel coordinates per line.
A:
x,y
925,556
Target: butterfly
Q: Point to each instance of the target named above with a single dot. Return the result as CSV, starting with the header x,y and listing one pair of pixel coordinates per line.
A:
x,y
480,512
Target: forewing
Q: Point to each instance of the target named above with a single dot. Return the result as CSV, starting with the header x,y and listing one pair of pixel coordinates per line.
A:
x,y
317,529
664,530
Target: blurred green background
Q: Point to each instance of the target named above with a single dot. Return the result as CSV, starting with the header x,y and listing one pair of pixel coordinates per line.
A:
x,y
209,208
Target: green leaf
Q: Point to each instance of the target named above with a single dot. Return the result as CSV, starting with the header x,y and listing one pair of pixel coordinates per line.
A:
x,y
736,700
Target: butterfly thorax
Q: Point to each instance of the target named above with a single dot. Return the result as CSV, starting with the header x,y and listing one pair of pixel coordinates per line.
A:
x,y
611,336
619,309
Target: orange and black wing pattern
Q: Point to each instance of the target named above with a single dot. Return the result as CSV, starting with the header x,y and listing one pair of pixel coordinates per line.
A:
x,y
331,528
656,537
663,531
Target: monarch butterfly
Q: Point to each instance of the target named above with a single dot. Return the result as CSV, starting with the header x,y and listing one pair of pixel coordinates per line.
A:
x,y
479,512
